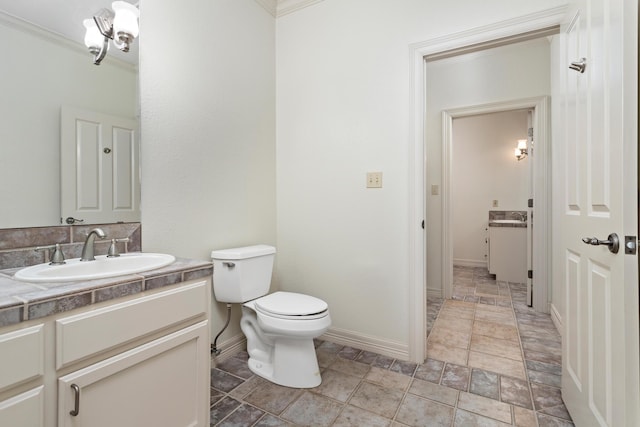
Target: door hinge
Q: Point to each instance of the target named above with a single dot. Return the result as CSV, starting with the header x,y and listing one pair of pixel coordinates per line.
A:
x,y
530,132
530,203
630,245
530,274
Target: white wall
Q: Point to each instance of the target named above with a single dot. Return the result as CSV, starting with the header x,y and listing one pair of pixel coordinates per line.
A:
x,y
485,169
501,74
41,73
207,75
342,110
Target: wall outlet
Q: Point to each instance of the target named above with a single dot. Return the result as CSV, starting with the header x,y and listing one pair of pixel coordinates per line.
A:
x,y
494,203
374,179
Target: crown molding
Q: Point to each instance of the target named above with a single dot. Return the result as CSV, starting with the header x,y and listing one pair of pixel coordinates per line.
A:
x,y
270,6
278,8
52,37
286,7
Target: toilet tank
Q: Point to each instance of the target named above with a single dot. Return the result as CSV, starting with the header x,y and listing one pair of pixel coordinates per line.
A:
x,y
242,274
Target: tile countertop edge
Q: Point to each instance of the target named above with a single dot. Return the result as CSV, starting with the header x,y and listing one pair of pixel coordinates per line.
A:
x,y
512,225
32,301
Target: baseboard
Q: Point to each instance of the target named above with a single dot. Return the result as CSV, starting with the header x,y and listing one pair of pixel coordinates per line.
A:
x,y
469,263
230,347
434,293
556,318
387,348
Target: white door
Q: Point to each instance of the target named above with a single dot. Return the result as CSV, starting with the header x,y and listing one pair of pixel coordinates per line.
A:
x,y
99,167
597,183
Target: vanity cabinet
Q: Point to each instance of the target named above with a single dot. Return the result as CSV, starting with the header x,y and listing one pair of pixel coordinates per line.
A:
x,y
508,253
139,360
26,348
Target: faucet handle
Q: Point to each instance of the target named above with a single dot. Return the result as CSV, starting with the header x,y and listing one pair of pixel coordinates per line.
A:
x,y
113,249
57,258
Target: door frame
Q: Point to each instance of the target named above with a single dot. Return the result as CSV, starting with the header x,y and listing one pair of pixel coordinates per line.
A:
x,y
541,186
417,160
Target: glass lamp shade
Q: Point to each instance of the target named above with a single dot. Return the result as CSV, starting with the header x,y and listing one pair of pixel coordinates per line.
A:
x,y
522,144
126,18
92,37
517,152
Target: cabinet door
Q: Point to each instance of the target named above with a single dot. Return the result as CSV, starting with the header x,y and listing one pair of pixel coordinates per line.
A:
x,y
162,383
23,410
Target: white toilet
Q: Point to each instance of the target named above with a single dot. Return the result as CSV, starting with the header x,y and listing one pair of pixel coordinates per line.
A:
x,y
279,327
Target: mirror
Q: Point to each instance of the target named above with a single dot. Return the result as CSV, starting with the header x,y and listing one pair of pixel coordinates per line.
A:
x,y
44,71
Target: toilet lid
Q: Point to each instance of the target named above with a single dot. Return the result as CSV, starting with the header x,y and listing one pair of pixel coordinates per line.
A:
x,y
290,304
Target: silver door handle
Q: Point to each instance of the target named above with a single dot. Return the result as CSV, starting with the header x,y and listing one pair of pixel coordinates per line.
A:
x,y
579,66
71,220
613,242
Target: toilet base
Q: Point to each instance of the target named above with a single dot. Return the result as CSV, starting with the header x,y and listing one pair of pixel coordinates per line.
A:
x,y
293,364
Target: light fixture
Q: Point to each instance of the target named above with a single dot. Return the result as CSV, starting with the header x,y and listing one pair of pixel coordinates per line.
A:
x,y
119,25
521,150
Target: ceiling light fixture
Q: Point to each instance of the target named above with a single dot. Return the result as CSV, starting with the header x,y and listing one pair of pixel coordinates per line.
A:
x,y
119,25
521,150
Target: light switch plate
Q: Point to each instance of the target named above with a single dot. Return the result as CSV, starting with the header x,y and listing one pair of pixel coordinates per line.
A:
x,y
374,179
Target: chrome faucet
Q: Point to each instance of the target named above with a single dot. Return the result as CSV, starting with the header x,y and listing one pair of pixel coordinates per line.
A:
x,y
87,249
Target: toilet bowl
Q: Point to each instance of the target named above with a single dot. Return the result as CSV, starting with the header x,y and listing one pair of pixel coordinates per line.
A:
x,y
279,327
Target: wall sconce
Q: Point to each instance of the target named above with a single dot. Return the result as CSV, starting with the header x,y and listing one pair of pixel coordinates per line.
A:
x,y
119,25
521,150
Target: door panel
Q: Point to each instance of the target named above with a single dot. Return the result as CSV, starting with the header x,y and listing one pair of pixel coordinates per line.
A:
x,y
597,354
88,179
124,169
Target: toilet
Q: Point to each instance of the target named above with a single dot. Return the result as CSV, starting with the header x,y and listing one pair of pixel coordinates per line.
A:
x,y
279,327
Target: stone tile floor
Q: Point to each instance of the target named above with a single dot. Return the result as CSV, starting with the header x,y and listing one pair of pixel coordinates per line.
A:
x,y
492,361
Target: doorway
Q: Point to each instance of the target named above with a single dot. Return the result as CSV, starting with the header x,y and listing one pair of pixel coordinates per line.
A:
x,y
429,125
539,194
490,186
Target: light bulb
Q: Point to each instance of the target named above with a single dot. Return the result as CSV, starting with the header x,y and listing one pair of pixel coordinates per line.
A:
x,y
92,38
126,18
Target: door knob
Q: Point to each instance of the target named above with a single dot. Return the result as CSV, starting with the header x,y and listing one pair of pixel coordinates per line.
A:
x,y
613,242
71,220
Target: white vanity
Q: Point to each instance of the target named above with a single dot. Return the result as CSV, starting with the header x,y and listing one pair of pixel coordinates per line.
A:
x,y
508,250
140,357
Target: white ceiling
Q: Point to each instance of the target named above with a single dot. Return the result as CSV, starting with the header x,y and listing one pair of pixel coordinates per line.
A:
x,y
64,17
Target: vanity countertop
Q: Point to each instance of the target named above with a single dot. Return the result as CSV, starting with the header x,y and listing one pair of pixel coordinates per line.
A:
x,y
22,301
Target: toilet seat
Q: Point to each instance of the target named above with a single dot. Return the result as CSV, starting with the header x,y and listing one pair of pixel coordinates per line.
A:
x,y
292,306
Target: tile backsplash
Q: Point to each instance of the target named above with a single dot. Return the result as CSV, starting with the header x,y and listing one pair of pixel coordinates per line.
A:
x,y
18,245
493,215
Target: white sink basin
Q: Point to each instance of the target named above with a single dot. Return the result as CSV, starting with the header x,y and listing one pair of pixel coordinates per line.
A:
x,y
74,269
507,221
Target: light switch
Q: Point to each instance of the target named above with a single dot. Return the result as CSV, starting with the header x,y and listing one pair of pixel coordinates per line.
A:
x,y
435,189
494,204
374,179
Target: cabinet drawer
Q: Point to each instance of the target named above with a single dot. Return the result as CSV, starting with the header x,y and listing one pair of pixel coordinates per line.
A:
x,y
22,354
95,331
23,410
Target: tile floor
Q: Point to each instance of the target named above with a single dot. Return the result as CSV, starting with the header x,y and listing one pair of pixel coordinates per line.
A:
x,y
492,361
